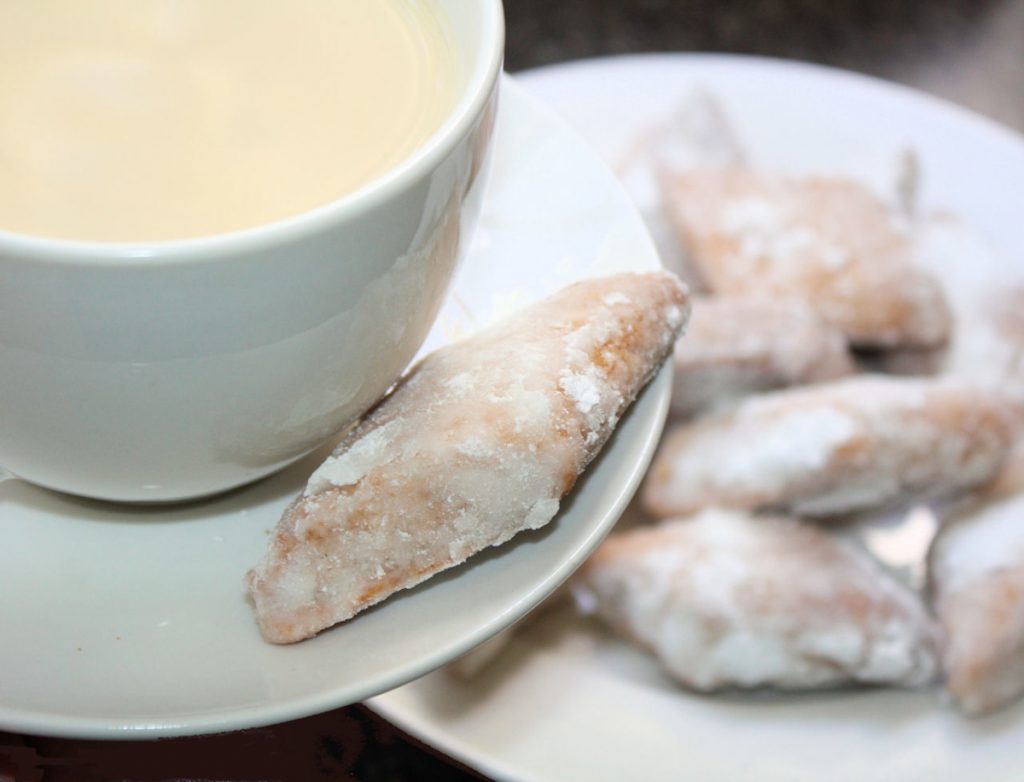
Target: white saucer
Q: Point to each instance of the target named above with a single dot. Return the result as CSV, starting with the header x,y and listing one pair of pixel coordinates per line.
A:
x,y
125,622
567,702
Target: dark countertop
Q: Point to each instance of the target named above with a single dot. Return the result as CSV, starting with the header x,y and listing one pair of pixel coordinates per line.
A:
x,y
970,51
345,744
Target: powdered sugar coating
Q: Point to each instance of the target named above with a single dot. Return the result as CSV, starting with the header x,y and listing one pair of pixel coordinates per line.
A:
x,y
828,242
725,599
977,578
736,345
849,445
695,133
990,539
477,443
988,342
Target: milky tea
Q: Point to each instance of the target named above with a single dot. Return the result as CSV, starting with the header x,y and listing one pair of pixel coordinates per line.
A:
x,y
150,120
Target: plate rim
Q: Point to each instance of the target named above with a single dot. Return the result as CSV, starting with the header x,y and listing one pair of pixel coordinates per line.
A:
x,y
747,61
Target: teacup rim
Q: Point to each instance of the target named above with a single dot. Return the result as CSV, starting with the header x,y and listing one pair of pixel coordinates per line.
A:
x,y
480,82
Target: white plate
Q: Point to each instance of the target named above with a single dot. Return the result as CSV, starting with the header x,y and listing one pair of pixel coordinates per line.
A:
x,y
568,702
123,622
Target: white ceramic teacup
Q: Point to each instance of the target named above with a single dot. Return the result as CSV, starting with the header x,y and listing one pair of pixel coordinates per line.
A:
x,y
173,370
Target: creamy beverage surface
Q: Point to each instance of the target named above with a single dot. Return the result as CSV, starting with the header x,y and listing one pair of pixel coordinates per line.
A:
x,y
150,120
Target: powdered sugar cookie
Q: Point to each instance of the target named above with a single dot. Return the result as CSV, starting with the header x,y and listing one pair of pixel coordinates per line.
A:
x,y
736,345
977,580
725,599
853,444
827,241
478,442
